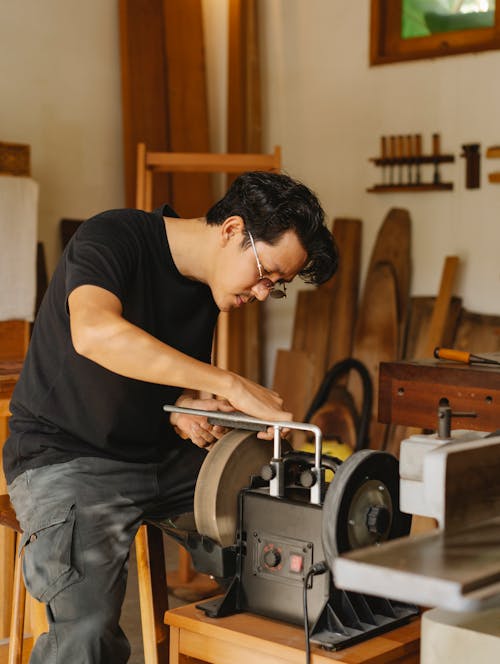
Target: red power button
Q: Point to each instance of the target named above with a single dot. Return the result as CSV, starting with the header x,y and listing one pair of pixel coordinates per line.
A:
x,y
296,563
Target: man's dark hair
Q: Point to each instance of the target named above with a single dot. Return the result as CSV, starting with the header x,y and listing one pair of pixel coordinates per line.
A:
x,y
271,204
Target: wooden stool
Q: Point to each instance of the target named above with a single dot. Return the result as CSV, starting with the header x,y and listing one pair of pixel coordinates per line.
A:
x,y
8,519
152,591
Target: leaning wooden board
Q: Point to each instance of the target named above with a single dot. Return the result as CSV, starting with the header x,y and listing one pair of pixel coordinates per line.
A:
x,y
164,95
383,309
393,245
244,133
344,287
324,317
377,338
294,380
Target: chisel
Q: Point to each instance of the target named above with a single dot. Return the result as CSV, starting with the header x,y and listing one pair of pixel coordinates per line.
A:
x,y
461,356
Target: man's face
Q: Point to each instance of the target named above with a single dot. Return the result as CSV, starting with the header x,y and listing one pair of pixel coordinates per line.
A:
x,y
237,278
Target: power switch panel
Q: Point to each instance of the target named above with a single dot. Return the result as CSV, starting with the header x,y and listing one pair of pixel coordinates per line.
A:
x,y
296,563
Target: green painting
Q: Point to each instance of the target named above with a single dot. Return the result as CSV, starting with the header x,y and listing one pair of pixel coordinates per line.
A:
x,y
421,18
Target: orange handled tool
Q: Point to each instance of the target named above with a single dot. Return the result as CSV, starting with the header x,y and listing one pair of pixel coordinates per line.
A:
x,y
461,356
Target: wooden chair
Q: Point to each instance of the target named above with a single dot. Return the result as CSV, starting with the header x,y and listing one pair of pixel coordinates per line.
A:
x,y
14,338
18,602
149,541
149,163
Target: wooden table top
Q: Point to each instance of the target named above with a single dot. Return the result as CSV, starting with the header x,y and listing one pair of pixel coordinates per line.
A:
x,y
410,393
285,642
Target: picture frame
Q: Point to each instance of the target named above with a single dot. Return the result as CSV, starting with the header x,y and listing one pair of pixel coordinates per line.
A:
x,y
388,46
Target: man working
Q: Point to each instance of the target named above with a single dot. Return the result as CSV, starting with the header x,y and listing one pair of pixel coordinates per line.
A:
x,y
125,327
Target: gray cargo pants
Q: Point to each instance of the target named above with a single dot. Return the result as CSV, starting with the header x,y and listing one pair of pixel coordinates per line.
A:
x,y
79,520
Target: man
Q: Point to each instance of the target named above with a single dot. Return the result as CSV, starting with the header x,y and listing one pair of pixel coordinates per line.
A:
x,y
125,327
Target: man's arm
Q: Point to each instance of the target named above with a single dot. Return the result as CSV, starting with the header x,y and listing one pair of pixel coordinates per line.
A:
x,y
100,333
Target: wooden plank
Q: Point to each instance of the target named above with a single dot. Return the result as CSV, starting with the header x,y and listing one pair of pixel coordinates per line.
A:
x,y
420,314
317,329
187,111
144,89
437,324
293,380
164,96
244,130
152,593
7,555
215,162
300,320
244,135
27,647
344,288
376,338
393,246
383,309
477,333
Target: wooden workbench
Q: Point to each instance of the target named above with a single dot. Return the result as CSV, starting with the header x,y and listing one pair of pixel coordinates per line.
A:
x,y
246,638
409,393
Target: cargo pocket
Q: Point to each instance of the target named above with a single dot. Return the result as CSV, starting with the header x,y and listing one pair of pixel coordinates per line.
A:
x,y
51,560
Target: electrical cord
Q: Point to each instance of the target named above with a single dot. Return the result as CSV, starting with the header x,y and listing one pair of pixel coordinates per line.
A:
x,y
314,570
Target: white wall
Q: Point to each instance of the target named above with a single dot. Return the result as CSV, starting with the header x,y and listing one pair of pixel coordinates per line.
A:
x,y
328,108
60,92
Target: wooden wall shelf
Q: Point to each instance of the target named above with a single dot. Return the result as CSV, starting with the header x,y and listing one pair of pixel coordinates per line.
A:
x,y
392,188
422,159
403,172
494,153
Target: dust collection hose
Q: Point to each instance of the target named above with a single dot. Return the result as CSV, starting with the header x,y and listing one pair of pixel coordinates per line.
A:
x,y
339,369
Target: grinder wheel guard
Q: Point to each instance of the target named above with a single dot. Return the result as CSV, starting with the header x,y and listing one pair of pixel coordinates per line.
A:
x,y
225,471
361,505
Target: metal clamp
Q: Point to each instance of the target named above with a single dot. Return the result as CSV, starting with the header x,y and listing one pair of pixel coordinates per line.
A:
x,y
237,420
444,418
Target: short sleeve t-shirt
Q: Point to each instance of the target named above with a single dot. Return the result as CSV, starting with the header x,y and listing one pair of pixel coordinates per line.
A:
x,y
65,405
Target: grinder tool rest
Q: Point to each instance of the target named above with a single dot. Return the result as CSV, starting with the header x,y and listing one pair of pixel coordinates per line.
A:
x,y
267,526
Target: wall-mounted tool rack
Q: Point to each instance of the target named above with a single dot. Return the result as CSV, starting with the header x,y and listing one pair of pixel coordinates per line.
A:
x,y
494,153
401,160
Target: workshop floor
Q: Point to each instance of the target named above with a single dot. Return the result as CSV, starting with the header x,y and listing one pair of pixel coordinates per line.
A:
x,y
131,618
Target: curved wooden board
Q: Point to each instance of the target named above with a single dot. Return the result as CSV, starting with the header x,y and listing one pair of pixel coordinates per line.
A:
x,y
376,337
393,246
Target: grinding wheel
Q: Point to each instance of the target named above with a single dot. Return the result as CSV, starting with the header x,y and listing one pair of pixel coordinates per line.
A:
x,y
225,471
361,505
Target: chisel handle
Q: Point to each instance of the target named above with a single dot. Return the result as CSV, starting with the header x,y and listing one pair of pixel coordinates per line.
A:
x,y
451,354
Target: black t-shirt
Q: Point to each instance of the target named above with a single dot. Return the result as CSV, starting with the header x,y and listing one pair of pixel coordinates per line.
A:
x,y
66,406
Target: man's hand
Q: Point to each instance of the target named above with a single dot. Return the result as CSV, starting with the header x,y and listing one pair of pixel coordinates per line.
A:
x,y
260,402
197,427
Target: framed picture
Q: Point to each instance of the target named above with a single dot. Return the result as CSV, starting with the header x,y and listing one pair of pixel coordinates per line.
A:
x,y
413,29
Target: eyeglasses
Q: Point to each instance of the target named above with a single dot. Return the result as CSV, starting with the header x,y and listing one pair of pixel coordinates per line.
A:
x,y
274,290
